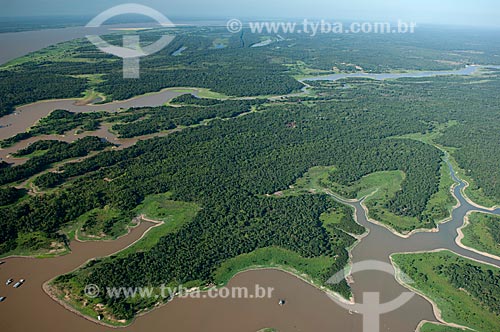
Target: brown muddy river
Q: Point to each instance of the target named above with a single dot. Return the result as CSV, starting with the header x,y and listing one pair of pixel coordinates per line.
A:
x,y
28,308
307,309
22,43
28,115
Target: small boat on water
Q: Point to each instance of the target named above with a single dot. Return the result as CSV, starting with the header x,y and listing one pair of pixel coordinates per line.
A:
x,y
19,283
2,298
8,282
282,302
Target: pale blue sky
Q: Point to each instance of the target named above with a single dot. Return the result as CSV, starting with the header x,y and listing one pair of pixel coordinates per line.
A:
x,y
456,12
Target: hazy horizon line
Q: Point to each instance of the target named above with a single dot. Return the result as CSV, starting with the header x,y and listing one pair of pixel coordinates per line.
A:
x,y
13,18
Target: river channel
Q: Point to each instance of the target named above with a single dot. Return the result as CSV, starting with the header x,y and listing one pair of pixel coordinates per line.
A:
x,y
308,309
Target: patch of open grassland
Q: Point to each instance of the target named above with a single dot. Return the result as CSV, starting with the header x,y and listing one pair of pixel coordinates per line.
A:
x,y
458,305
483,233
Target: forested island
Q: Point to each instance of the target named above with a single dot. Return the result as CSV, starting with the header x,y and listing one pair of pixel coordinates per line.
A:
x,y
237,161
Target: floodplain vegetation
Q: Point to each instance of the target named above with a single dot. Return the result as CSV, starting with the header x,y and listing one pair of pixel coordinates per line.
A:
x,y
239,178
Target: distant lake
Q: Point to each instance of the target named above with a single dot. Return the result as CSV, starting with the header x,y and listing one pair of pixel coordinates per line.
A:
x,y
307,308
469,70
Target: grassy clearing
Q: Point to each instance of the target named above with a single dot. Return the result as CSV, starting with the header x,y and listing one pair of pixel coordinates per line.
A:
x,y
377,184
157,207
218,42
442,202
99,225
438,207
475,193
206,93
379,188
430,137
102,224
301,70
37,153
37,245
333,217
91,95
312,182
483,233
457,305
160,208
274,257
93,79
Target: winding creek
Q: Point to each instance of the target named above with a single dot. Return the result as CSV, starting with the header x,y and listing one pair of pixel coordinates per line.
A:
x,y
308,308
381,243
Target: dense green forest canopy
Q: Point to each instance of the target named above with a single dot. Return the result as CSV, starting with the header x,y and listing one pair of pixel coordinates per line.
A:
x,y
250,148
466,291
237,69
53,152
140,122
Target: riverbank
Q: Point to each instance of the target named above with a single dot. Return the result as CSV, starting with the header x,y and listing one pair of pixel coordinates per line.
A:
x,y
431,283
292,264
50,290
437,311
474,198
461,236
387,227
49,287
